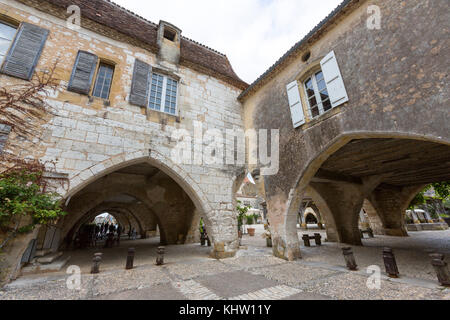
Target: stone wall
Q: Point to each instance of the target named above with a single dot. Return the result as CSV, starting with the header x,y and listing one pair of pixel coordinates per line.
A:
x,y
396,82
90,138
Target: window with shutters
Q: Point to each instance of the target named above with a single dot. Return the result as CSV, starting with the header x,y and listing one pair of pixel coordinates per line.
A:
x,y
317,95
103,81
163,94
7,34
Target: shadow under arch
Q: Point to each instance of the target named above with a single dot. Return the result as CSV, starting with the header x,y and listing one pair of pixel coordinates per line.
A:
x,y
289,246
157,160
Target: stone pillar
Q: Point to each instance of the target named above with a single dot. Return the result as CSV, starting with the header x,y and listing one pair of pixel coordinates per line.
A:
x,y
391,204
345,201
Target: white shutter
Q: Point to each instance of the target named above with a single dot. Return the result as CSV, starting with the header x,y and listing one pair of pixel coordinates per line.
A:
x,y
295,103
333,78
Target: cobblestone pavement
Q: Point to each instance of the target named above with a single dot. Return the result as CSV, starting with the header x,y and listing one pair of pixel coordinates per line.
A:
x,y
254,274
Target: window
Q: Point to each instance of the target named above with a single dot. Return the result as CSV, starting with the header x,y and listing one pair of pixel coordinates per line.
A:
x,y
163,94
7,33
170,34
317,95
103,82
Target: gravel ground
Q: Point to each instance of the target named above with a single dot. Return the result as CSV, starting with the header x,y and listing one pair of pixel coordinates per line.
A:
x,y
320,274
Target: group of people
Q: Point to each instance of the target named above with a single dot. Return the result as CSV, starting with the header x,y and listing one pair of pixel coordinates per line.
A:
x,y
89,235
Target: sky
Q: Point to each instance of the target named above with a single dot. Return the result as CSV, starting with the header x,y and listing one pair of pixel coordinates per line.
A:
x,y
253,34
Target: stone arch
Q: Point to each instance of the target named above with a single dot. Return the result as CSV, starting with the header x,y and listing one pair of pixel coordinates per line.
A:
x,y
155,159
286,243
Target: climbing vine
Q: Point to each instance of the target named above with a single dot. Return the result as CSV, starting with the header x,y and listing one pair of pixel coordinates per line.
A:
x,y
25,199
24,196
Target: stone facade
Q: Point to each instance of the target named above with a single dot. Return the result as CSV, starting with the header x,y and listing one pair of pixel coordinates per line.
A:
x,y
90,139
378,142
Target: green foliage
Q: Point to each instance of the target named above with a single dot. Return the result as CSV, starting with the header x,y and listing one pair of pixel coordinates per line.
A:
x,y
418,200
252,218
442,190
22,195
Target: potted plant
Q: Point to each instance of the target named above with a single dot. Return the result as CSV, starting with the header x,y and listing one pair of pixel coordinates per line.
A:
x,y
251,221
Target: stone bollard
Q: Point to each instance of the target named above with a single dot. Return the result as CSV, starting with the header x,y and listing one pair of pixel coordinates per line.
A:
x,y
202,239
160,258
318,239
306,240
96,263
441,267
390,263
130,258
350,259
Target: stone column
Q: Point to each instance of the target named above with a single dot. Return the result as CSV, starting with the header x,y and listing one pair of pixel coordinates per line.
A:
x,y
391,204
345,201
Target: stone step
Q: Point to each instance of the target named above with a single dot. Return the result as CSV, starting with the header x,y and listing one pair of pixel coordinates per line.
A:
x,y
55,266
49,258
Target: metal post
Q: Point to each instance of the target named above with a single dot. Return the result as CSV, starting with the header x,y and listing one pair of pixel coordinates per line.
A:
x,y
390,263
96,263
306,240
130,258
441,267
160,258
350,259
318,239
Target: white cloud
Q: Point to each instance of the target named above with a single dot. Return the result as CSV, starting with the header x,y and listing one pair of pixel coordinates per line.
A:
x,y
252,33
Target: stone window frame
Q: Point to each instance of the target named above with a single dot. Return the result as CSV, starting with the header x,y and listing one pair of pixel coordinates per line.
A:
x,y
166,75
311,68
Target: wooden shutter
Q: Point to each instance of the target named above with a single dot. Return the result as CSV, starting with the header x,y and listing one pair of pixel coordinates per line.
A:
x,y
295,104
25,51
83,72
333,79
141,83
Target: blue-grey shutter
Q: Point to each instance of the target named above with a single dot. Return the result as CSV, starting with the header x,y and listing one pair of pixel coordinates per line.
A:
x,y
141,83
295,104
83,73
25,51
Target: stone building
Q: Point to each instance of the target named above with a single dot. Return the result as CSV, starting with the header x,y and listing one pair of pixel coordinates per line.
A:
x,y
363,111
126,85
